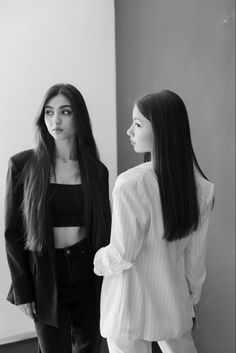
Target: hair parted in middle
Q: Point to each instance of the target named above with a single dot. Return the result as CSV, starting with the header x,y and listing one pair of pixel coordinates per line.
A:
x,y
38,170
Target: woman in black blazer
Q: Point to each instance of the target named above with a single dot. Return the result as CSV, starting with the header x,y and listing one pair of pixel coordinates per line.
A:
x,y
57,215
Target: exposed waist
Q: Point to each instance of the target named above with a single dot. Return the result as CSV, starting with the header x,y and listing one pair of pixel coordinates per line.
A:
x,y
68,236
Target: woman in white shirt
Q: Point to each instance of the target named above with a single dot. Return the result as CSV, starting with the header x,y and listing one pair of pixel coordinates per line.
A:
x,y
154,266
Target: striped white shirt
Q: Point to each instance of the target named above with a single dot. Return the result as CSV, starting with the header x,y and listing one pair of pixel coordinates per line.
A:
x,y
150,285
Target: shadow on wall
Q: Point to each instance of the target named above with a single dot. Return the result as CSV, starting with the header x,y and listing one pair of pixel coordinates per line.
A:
x,y
27,346
31,346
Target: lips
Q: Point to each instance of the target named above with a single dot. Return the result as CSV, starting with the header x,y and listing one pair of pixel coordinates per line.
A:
x,y
57,130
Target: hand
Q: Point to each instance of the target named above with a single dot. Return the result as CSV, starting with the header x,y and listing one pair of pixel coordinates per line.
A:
x,y
195,321
28,309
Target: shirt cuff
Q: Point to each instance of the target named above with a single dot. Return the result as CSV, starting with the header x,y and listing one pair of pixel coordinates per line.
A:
x,y
107,262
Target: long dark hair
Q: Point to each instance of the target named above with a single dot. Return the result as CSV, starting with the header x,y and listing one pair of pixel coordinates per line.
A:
x,y
38,170
174,161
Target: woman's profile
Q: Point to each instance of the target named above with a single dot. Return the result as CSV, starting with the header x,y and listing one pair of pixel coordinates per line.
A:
x,y
57,216
154,266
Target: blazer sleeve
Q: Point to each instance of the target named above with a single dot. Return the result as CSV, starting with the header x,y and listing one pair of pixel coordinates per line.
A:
x,y
21,289
107,207
195,252
129,220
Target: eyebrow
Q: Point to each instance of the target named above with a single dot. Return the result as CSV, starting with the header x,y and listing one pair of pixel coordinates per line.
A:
x,y
137,119
61,107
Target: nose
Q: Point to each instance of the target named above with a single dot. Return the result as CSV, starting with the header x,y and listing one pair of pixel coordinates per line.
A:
x,y
130,131
56,118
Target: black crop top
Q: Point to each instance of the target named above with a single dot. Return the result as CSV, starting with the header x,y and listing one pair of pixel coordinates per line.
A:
x,y
67,204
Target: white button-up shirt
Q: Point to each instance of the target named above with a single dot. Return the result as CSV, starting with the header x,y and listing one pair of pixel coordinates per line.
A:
x,y
150,285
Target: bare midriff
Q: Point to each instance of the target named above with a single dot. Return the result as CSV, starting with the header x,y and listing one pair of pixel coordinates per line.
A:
x,y
67,236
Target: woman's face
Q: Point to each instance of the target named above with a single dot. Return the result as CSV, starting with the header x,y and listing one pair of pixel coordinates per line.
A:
x,y
59,118
140,132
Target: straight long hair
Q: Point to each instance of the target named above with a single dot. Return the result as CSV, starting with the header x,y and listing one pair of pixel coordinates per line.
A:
x,y
174,161
37,172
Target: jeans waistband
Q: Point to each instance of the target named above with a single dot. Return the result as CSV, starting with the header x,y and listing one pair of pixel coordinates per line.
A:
x,y
84,243
74,264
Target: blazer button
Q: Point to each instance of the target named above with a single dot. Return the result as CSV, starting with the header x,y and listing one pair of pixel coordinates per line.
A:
x,y
68,252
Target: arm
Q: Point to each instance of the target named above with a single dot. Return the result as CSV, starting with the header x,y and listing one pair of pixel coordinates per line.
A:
x,y
107,207
129,221
21,290
195,253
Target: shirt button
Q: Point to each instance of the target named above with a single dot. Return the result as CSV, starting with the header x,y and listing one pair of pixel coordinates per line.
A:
x,y
68,252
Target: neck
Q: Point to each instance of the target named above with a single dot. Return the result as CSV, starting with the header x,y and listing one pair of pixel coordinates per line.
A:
x,y
65,149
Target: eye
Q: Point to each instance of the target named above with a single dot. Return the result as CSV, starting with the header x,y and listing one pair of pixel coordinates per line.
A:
x,y
137,124
66,112
48,112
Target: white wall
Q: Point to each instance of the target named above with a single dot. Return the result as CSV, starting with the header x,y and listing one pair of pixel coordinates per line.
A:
x,y
42,43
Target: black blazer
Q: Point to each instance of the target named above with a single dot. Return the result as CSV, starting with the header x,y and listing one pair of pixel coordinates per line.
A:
x,y
34,275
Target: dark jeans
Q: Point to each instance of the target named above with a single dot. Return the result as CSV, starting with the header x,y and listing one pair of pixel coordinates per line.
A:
x,y
78,330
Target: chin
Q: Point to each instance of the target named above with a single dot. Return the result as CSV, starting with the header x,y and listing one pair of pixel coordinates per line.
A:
x,y
137,150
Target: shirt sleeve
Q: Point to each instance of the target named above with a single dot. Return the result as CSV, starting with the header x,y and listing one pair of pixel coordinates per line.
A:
x,y
129,219
195,252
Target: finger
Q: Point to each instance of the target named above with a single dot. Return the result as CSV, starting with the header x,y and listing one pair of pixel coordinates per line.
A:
x,y
27,310
194,328
33,308
30,311
23,309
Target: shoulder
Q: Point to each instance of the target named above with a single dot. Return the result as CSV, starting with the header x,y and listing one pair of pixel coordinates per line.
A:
x,y
20,159
205,190
102,169
136,177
